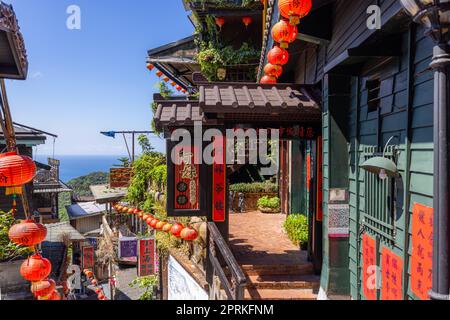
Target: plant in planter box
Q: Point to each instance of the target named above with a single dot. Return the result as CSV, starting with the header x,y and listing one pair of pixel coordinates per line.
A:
x,y
269,205
296,227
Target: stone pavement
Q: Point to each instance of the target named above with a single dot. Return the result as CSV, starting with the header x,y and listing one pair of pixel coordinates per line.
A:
x,y
259,239
124,276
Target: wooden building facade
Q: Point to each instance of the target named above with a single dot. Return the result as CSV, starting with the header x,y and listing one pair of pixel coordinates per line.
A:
x,y
377,92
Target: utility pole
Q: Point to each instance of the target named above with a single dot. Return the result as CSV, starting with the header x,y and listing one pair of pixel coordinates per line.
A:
x,y
132,155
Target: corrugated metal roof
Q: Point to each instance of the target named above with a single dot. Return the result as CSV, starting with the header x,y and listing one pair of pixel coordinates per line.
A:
x,y
57,231
85,209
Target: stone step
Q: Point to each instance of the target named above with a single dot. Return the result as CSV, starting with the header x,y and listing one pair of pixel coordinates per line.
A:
x,y
271,270
274,294
284,282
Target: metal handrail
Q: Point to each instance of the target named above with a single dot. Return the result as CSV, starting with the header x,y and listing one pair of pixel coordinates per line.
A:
x,y
235,289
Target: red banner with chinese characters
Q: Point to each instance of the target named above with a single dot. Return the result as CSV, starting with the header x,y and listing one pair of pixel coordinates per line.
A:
x,y
422,251
146,257
308,171
186,179
319,179
392,275
87,257
369,267
219,180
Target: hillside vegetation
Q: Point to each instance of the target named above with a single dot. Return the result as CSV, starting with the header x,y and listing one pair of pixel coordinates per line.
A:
x,y
81,185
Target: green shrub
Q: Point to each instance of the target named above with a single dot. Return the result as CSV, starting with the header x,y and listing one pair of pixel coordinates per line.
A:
x,y
271,203
296,226
257,187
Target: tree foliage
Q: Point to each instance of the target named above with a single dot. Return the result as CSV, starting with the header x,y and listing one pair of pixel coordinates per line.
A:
x,y
148,283
81,185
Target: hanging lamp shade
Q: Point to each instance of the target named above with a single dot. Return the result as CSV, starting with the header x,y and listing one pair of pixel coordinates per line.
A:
x,y
16,170
284,33
27,233
273,70
294,10
278,56
43,288
268,80
378,165
35,268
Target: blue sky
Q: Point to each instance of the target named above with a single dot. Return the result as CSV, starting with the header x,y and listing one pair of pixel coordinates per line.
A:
x,y
85,81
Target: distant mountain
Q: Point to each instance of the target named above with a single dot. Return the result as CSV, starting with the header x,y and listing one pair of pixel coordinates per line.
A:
x,y
81,185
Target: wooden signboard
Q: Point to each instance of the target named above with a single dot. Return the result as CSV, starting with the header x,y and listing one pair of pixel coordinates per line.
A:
x,y
87,261
146,257
422,251
120,177
392,275
319,204
369,271
219,183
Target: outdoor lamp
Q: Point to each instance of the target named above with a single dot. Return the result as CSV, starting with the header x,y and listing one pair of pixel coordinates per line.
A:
x,y
382,166
434,15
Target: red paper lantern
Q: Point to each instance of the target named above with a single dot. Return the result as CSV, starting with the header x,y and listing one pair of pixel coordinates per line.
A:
x,y
149,220
35,268
247,21
141,215
101,296
159,226
98,290
43,288
278,56
153,223
150,66
136,211
268,80
220,21
173,83
159,74
89,273
189,234
94,282
176,229
124,209
284,33
27,233
273,70
178,88
167,227
294,10
166,79
145,217
184,90
16,170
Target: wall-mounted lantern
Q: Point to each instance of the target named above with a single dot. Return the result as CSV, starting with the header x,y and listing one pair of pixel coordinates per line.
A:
x,y
382,166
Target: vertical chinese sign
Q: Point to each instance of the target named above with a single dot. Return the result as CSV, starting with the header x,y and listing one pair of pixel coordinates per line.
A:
x,y
369,267
308,172
87,257
219,180
186,179
422,251
392,276
319,180
146,257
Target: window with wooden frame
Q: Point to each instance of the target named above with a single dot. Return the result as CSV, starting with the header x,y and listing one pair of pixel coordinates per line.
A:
x,y
373,94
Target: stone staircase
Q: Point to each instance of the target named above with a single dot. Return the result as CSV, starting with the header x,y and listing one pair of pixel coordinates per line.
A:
x,y
281,282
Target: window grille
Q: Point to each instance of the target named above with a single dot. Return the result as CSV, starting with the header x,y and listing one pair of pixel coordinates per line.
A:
x,y
380,198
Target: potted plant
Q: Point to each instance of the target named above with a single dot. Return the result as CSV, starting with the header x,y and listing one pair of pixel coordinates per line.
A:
x,y
269,205
296,227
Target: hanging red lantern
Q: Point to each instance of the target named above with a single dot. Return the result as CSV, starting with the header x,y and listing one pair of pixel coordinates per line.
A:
x,y
247,21
278,56
176,229
178,88
89,273
94,282
153,223
166,79
136,211
141,215
273,70
184,90
167,227
159,74
35,268
27,233
124,209
159,226
268,80
101,296
145,216
173,83
149,220
284,33
294,10
118,208
98,290
150,66
220,21
43,288
188,234
16,170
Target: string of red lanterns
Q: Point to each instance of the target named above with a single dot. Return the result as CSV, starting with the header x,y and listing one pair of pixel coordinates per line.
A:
x,y
176,229
284,33
166,79
98,289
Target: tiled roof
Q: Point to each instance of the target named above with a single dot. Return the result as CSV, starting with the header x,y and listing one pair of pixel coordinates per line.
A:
x,y
57,231
178,113
85,209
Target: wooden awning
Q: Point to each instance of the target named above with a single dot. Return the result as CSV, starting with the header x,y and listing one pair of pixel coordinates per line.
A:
x,y
260,102
177,114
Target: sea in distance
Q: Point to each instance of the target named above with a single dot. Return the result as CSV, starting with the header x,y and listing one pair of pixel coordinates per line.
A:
x,y
74,166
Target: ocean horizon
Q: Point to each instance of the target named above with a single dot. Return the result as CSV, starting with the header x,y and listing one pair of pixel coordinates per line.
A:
x,y
74,166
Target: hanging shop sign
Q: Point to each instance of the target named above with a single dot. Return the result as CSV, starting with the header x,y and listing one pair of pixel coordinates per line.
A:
x,y
369,267
128,247
392,275
219,180
422,251
120,177
319,204
87,261
146,257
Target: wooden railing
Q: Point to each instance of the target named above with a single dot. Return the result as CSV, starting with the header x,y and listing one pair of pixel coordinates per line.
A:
x,y
230,275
